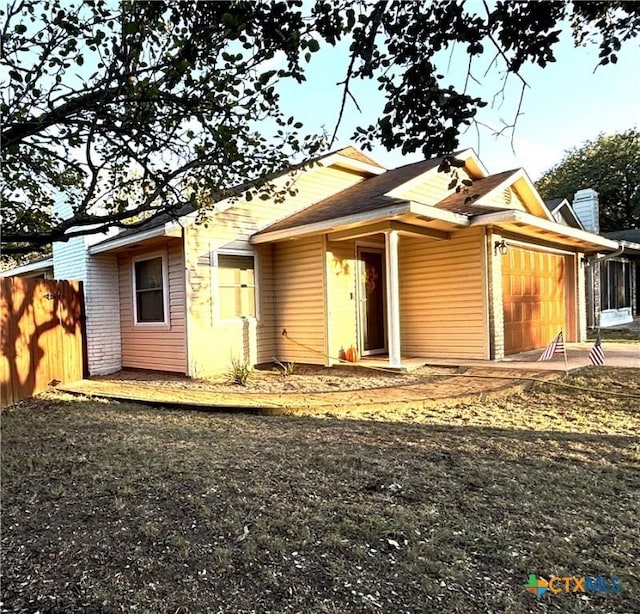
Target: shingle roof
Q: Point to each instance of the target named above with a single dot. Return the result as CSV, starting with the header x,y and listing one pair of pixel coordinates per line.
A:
x,y
368,195
462,202
552,203
630,234
355,154
164,218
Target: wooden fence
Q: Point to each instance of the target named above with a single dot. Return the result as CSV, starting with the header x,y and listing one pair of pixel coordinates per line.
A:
x,y
42,327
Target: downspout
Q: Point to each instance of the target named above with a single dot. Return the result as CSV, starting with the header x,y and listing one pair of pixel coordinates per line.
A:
x,y
590,261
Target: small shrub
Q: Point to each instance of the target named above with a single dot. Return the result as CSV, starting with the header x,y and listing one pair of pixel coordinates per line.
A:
x,y
288,368
239,371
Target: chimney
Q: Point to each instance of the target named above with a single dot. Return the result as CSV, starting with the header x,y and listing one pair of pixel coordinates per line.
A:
x,y
586,207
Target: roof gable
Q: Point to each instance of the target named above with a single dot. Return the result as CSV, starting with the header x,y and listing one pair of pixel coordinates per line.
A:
x,y
371,194
431,185
563,212
507,190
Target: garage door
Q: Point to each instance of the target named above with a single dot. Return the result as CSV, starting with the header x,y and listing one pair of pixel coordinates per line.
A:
x,y
533,286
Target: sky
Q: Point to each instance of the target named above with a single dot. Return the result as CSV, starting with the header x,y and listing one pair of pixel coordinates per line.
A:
x,y
567,103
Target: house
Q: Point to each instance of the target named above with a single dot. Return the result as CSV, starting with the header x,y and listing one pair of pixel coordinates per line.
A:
x,y
563,212
620,279
612,279
42,268
390,262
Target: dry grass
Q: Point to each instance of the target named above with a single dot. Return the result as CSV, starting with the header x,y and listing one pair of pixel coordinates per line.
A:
x,y
111,507
619,335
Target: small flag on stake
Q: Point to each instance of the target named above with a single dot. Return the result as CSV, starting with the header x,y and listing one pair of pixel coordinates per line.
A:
x,y
555,347
596,355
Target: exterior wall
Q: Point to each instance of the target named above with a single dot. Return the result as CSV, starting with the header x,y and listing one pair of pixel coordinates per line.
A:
x,y
494,295
299,301
341,297
102,304
505,199
232,227
443,308
70,259
433,189
213,342
159,346
99,275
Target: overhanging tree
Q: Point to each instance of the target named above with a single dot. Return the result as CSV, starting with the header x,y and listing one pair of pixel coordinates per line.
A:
x,y
610,165
129,111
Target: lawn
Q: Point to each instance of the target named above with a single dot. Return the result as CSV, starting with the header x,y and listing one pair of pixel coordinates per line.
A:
x,y
112,507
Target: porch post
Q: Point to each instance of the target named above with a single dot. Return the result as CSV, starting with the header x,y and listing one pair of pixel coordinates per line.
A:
x,y
393,297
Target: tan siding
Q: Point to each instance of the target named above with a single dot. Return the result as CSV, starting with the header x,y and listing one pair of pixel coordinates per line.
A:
x,y
150,347
234,226
341,281
433,189
504,199
299,300
211,342
443,297
265,331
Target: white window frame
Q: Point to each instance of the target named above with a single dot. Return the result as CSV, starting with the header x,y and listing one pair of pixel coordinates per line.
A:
x,y
216,285
165,324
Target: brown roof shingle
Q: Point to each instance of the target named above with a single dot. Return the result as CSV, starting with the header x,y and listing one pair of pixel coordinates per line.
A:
x,y
462,202
355,154
368,195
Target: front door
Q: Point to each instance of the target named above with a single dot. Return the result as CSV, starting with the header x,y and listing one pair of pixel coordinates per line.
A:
x,y
371,300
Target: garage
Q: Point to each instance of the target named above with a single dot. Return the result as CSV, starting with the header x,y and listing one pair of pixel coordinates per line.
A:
x,y
534,299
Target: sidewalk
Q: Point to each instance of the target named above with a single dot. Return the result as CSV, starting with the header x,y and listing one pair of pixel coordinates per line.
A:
x,y
449,390
476,379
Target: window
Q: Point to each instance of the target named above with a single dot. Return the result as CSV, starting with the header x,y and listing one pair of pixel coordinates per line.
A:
x,y
237,286
149,285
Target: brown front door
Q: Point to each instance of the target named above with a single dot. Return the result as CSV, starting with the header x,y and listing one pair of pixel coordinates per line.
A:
x,y
533,290
371,294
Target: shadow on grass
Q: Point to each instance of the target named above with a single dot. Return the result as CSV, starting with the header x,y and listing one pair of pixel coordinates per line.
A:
x,y
108,506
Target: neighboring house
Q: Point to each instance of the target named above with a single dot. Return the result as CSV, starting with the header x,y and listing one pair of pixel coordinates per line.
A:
x,y
38,269
389,262
563,212
612,280
620,278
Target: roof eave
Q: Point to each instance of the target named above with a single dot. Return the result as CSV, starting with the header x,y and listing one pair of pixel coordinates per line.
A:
x,y
521,218
331,225
165,230
31,267
442,215
358,219
352,164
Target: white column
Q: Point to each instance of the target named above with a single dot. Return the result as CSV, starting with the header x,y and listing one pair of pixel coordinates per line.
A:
x,y
393,298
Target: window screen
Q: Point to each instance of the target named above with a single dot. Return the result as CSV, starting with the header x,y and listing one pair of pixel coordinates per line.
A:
x,y
149,290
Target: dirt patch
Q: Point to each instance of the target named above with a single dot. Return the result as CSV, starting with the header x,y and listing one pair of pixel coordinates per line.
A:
x,y
306,379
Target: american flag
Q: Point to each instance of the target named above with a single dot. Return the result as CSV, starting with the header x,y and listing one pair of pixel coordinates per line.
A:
x,y
596,355
555,347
